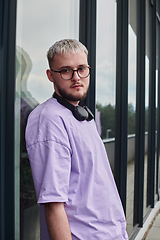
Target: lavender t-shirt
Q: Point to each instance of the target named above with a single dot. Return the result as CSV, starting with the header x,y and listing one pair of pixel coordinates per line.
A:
x,y
69,164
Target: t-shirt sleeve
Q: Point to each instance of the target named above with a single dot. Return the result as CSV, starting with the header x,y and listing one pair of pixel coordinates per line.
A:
x,y
49,153
50,163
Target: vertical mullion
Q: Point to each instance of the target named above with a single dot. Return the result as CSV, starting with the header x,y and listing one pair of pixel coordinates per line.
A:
x,y
121,112
2,167
7,82
158,107
87,35
152,101
140,115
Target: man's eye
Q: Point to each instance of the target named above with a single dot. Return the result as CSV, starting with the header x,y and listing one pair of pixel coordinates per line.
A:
x,y
65,71
81,69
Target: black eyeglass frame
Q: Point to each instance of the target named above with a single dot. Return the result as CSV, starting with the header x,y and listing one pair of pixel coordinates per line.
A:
x,y
76,70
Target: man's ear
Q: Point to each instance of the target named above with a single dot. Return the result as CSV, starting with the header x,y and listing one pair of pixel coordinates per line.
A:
x,y
49,75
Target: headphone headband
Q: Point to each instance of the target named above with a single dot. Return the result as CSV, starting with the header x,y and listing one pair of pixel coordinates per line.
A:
x,y
80,113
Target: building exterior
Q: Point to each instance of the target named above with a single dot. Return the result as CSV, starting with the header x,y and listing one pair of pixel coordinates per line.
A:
x,y
123,39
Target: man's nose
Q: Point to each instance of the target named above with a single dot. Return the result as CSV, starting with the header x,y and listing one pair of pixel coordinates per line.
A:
x,y
75,76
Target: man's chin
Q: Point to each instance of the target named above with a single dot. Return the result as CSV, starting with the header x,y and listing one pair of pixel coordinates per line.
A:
x,y
77,98
74,98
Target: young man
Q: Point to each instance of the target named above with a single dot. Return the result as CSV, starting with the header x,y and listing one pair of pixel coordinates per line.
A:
x,y
73,180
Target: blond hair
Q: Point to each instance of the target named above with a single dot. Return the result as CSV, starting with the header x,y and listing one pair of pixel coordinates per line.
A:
x,y
64,46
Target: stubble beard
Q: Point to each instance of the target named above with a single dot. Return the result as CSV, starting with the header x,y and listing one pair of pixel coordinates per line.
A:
x,y
71,97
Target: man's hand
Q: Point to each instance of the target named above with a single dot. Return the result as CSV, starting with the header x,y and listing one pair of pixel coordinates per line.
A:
x,y
57,221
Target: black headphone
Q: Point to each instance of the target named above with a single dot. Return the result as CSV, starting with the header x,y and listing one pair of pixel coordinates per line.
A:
x,y
80,113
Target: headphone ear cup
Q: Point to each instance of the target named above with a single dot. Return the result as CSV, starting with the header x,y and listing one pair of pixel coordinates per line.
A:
x,y
80,113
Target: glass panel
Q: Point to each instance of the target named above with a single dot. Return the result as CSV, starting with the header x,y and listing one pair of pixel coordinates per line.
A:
x,y
156,165
146,131
106,68
17,154
39,25
131,123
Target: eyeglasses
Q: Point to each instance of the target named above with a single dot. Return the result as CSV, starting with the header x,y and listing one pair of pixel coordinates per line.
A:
x,y
67,73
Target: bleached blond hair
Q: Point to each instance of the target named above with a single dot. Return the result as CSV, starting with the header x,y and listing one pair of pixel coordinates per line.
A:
x,y
63,46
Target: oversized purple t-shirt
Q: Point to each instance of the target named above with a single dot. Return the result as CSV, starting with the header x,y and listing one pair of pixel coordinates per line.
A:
x,y
69,164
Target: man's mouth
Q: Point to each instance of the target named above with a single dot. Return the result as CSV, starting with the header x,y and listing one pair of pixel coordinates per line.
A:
x,y
77,86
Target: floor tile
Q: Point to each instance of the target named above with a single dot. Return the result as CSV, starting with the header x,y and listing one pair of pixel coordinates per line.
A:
x,y
154,234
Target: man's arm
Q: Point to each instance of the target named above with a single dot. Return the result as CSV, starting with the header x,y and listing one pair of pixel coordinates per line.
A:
x,y
57,221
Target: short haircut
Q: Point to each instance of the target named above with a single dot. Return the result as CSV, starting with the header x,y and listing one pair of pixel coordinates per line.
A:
x,y
64,46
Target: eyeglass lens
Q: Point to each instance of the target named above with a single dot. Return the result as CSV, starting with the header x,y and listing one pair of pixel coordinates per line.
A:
x,y
68,73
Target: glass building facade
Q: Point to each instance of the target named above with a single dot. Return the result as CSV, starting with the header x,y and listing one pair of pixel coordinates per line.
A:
x,y
123,39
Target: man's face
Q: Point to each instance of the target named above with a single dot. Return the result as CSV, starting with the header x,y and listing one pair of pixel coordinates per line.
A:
x,y
74,89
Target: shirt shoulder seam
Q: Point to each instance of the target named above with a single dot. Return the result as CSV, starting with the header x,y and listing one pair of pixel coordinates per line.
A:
x,y
35,143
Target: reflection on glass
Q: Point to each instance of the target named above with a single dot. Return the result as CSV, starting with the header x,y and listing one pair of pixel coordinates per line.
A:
x,y
106,68
27,103
131,126
39,25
